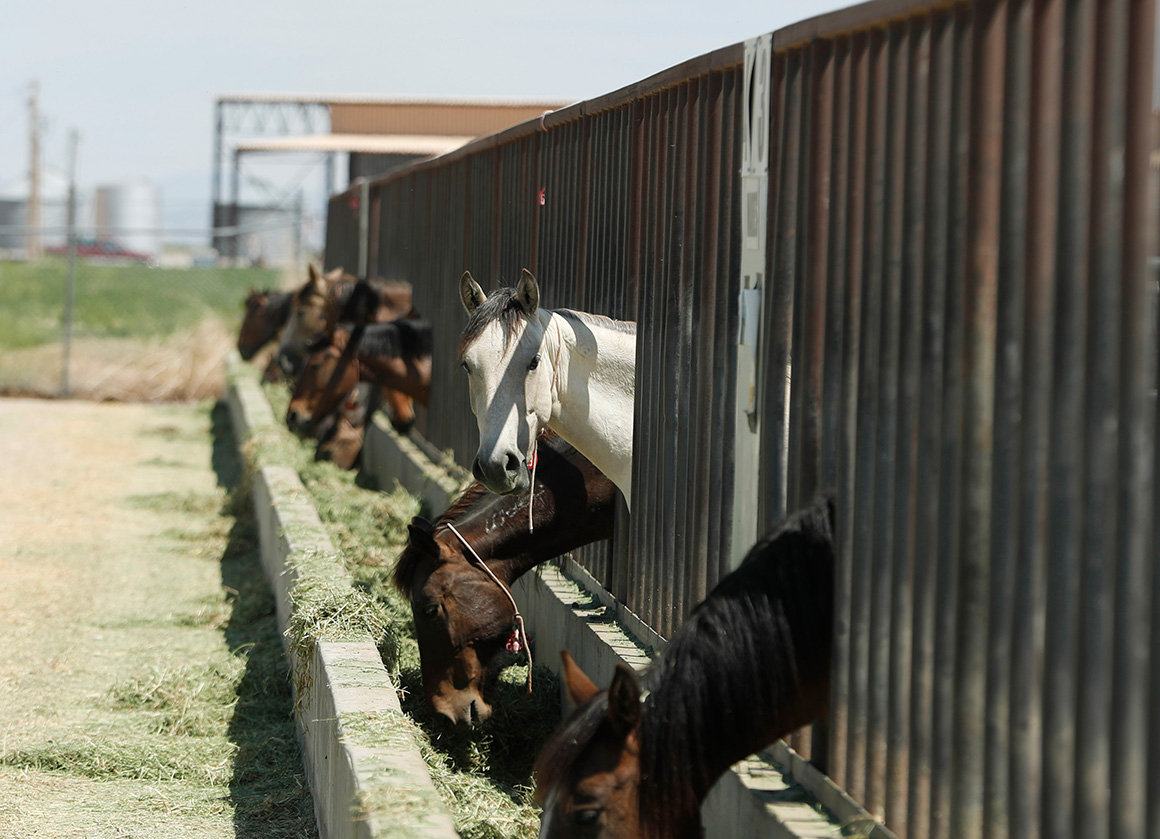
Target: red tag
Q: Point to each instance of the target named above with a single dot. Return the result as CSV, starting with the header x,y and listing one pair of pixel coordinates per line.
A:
x,y
543,199
514,645
532,460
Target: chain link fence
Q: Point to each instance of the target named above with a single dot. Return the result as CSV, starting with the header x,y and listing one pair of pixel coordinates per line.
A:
x,y
118,324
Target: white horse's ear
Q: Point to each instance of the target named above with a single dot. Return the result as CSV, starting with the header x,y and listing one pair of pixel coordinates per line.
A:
x,y
470,292
528,293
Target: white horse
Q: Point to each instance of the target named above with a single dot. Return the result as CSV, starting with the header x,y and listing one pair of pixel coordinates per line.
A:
x,y
530,368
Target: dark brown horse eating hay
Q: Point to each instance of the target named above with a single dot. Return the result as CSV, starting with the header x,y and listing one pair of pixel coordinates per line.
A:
x,y
266,314
394,356
749,665
462,616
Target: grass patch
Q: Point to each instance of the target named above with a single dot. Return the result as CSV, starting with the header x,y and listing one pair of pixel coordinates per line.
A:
x,y
199,503
131,301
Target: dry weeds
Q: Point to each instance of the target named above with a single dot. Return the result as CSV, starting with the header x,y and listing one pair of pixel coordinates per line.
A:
x,y
182,367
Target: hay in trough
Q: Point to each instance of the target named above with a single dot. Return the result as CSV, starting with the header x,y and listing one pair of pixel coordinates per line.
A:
x,y
484,775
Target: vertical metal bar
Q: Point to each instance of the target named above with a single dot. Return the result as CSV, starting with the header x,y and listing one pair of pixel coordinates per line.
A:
x,y
1065,522
778,327
728,260
849,625
891,171
864,678
800,740
1102,422
1129,771
1028,612
700,211
933,335
951,436
815,362
914,64
985,161
1008,410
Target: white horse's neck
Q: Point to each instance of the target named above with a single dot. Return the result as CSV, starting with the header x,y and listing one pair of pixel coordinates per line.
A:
x,y
595,373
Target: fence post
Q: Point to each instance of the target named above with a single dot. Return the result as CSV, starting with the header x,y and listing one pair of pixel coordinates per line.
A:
x,y
364,225
70,284
754,216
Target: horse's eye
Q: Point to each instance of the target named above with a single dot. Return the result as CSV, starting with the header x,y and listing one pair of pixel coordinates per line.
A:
x,y
535,362
431,611
586,818
466,369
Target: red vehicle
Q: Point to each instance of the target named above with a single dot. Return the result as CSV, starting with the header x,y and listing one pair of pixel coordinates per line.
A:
x,y
97,250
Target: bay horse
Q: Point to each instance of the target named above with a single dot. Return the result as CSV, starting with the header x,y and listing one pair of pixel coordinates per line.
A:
x,y
749,665
394,356
340,436
530,368
266,313
317,307
462,616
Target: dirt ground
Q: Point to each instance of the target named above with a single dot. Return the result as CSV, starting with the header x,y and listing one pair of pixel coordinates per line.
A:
x,y
114,623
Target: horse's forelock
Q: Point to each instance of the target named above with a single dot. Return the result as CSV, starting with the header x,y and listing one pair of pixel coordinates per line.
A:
x,y
568,742
501,306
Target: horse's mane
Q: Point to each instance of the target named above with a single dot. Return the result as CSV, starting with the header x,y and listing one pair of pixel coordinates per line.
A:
x,y
501,305
278,307
744,653
402,338
628,327
355,303
472,497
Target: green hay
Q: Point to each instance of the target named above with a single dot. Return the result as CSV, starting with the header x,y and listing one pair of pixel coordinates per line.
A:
x,y
484,775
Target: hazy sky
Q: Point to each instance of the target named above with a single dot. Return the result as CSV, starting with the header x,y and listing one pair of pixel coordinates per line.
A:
x,y
138,78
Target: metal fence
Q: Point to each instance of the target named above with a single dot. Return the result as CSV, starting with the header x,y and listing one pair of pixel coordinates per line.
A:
x,y
936,221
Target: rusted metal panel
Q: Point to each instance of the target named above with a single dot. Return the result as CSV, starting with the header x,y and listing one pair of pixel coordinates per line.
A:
x,y
960,214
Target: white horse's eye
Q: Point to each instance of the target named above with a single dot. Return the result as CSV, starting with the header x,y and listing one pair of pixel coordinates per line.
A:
x,y
466,369
535,362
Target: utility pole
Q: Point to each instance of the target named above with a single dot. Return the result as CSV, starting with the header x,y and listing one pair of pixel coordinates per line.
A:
x,y
34,172
296,242
73,142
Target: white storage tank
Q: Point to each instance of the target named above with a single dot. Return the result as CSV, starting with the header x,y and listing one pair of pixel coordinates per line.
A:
x,y
53,212
129,215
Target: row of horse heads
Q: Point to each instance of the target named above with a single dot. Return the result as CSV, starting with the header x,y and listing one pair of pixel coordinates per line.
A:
x,y
349,346
749,665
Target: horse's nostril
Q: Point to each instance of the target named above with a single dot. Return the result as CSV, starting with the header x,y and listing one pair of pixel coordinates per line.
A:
x,y
477,470
512,464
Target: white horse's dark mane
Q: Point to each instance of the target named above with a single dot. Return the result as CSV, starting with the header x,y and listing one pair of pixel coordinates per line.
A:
x,y
501,305
628,327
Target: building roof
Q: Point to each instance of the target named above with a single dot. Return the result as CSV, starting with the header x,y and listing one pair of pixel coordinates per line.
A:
x,y
354,99
411,144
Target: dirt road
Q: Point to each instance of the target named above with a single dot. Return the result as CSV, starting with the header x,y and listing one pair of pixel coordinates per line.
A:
x,y
140,684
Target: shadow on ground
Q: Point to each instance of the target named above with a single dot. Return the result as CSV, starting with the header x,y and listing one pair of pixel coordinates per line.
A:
x,y
268,790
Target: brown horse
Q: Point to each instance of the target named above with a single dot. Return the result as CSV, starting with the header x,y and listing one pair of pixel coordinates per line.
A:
x,y
394,356
751,664
266,313
340,437
342,445
462,616
325,300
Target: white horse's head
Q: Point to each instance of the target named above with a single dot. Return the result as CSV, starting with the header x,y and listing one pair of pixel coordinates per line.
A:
x,y
510,378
